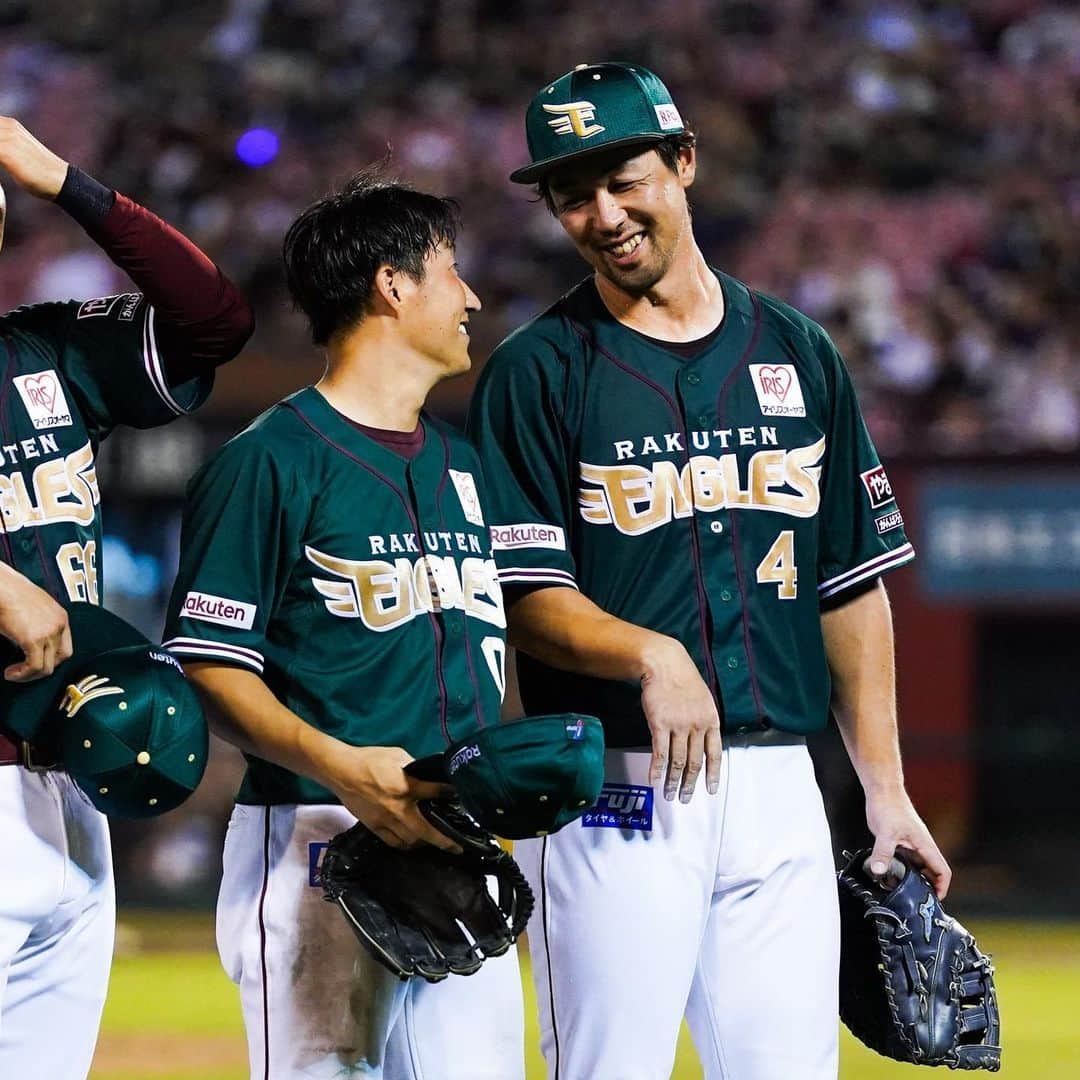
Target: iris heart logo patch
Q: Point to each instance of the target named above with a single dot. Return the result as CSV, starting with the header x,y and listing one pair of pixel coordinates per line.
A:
x,y
778,390
44,398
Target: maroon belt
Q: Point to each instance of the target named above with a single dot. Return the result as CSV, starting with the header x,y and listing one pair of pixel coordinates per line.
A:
x,y
20,752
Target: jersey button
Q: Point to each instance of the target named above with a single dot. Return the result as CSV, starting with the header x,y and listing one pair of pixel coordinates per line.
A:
x,y
693,378
461,699
703,420
725,595
732,662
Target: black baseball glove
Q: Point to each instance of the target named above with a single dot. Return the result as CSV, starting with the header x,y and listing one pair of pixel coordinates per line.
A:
x,y
913,984
425,911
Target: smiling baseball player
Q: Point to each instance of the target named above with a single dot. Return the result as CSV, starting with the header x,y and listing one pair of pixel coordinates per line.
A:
x,y
690,521
337,601
72,372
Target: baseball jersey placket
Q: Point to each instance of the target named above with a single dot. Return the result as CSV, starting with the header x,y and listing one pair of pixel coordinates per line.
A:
x,y
677,412
718,571
408,504
419,513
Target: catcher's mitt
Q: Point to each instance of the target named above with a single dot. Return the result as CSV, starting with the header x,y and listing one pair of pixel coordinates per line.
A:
x,y
424,911
913,984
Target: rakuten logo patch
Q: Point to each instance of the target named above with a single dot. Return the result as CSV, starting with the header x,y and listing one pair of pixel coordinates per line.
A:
x,y
217,609
505,537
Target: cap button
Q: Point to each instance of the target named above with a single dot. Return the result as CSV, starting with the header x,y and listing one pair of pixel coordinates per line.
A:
x,y
581,67
152,802
543,798
142,757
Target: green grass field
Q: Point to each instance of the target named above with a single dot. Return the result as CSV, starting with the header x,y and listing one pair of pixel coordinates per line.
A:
x,y
173,1015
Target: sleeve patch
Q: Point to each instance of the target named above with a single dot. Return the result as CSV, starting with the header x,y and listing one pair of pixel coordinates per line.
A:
x,y
99,306
888,522
878,488
218,609
527,535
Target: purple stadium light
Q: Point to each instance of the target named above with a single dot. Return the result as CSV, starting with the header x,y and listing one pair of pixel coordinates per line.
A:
x,y
257,147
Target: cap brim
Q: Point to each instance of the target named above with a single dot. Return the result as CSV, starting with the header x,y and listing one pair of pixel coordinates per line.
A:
x,y
529,174
432,769
23,706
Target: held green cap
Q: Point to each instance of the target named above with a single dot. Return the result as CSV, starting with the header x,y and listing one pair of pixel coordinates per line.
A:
x,y
528,777
127,725
595,107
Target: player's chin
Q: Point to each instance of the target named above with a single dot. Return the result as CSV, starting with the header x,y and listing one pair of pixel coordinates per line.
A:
x,y
633,279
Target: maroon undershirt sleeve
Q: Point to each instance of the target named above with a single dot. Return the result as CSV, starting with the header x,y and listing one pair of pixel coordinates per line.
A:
x,y
202,319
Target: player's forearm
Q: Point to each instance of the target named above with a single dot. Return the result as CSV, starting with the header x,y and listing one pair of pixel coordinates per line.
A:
x,y
245,713
566,630
859,647
203,319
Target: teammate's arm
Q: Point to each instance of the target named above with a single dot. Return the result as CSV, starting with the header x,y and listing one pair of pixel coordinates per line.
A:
x,y
202,318
564,629
369,780
859,646
33,621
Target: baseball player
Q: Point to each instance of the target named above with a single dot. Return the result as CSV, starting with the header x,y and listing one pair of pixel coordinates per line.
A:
x,y
337,603
72,371
691,522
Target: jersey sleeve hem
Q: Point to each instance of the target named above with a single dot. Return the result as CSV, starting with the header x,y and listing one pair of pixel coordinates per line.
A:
x,y
871,568
196,390
533,575
201,649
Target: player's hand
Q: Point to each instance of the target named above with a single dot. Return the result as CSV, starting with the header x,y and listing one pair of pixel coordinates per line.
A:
x,y
371,782
32,620
30,163
896,825
683,720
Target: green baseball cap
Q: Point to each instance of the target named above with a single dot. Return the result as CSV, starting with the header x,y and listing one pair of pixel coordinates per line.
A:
x,y
595,107
121,715
527,777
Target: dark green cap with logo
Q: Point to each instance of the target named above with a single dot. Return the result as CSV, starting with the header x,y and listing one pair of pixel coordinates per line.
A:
x,y
119,715
527,777
595,107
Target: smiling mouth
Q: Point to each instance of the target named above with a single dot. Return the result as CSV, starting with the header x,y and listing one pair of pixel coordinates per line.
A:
x,y
627,247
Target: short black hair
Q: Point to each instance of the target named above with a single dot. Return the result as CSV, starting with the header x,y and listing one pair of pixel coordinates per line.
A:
x,y
668,149
334,247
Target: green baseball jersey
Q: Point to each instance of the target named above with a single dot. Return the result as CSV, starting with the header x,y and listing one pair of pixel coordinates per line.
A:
x,y
72,372
359,585
718,499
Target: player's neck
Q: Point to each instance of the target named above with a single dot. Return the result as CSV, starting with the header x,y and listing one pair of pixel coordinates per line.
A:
x,y
687,303
375,383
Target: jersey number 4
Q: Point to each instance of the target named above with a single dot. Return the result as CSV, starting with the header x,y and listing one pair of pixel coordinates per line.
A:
x,y
778,567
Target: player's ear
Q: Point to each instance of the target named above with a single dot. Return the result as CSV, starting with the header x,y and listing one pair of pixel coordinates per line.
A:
x,y
687,165
387,288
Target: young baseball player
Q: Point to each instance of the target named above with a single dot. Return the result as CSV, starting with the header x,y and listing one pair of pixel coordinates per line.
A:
x,y
338,604
73,371
693,521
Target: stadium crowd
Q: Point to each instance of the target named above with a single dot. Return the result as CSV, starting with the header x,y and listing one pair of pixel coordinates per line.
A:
x,y
905,172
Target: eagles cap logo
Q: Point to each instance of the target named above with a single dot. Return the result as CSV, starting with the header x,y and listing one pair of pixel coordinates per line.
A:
x,y
78,694
574,119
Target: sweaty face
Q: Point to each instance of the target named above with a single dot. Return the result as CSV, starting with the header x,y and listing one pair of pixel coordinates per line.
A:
x,y
438,312
626,217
